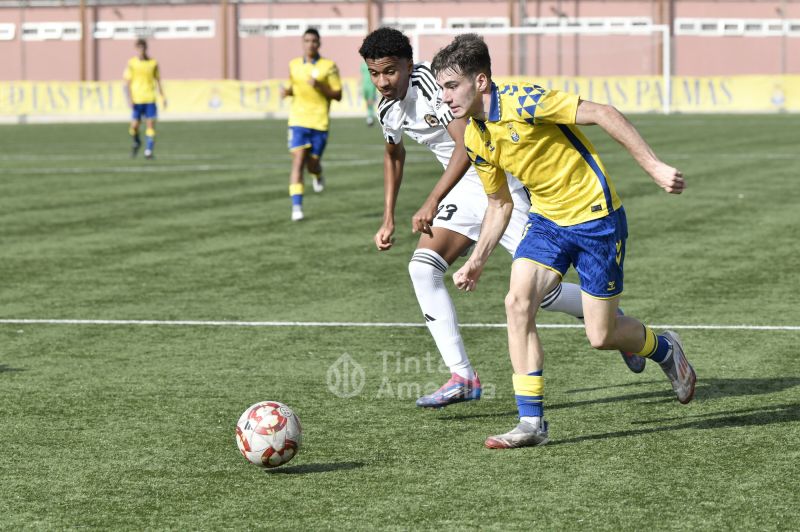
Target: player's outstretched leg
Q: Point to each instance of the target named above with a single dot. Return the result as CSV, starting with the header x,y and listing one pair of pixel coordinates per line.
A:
x,y
606,330
315,169
566,298
427,269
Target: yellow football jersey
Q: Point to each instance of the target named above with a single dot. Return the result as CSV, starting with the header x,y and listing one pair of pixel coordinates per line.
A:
x,y
142,74
309,106
530,133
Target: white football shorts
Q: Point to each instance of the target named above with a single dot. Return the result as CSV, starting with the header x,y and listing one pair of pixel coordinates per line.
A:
x,y
463,208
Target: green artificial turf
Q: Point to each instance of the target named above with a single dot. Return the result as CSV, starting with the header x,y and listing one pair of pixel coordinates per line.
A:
x,y
132,426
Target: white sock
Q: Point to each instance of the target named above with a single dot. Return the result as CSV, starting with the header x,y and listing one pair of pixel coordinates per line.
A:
x,y
566,298
536,421
427,275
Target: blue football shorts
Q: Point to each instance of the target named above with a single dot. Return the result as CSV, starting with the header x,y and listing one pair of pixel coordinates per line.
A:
x,y
303,137
146,110
596,249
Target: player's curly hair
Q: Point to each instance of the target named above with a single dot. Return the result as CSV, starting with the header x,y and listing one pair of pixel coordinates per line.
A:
x,y
386,42
467,55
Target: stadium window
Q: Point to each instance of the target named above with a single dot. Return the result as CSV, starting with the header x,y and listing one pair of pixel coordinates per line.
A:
x,y
591,23
46,31
296,27
159,29
477,23
7,32
708,27
413,24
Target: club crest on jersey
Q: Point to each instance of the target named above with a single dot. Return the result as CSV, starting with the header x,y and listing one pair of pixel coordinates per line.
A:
x,y
431,120
514,134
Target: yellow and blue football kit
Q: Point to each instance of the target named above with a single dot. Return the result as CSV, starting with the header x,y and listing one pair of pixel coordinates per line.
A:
x,y
576,215
308,114
142,74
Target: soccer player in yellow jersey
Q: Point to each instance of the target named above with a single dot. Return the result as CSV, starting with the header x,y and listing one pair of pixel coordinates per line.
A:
x,y
313,83
143,78
576,218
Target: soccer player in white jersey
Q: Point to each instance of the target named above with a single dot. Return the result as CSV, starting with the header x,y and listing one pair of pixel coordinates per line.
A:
x,y
450,220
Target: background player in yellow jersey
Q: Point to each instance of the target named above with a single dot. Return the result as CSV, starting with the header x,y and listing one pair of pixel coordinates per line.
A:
x,y
313,83
143,78
576,218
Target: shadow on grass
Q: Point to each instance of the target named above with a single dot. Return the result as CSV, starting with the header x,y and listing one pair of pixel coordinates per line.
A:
x,y
707,388
5,368
710,388
315,468
744,418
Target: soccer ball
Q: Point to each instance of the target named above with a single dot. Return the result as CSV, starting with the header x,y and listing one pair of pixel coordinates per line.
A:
x,y
269,434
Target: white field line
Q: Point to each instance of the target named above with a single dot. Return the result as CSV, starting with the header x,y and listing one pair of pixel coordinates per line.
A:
x,y
344,163
345,324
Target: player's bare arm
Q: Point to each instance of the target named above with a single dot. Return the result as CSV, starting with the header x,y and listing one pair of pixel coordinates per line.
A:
x,y
495,221
286,90
456,168
394,158
620,129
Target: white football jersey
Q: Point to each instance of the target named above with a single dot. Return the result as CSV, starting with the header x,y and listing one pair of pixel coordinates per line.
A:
x,y
422,117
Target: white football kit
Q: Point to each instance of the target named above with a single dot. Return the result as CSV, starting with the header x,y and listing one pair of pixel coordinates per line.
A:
x,y
422,117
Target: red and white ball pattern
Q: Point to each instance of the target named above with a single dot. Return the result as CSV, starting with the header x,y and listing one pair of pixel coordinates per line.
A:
x,y
269,434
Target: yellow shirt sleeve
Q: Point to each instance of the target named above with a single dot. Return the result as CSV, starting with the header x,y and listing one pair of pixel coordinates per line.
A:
x,y
557,107
333,80
127,74
491,176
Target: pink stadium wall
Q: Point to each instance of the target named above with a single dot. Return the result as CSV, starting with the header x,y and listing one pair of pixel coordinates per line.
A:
x,y
259,57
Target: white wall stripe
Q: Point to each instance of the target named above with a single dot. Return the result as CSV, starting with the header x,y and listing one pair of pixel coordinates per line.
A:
x,y
344,324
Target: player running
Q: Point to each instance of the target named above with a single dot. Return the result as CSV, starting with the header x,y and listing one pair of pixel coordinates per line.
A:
x,y
450,220
143,78
576,218
313,83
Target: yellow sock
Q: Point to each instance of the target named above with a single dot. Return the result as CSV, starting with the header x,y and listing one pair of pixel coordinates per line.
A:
x,y
529,392
296,189
650,343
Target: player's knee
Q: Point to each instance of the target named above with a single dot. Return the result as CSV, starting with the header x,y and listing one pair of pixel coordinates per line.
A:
x,y
422,273
518,305
600,339
426,268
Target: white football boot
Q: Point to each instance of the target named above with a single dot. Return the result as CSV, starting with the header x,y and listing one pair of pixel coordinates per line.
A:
x,y
680,373
523,435
319,184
